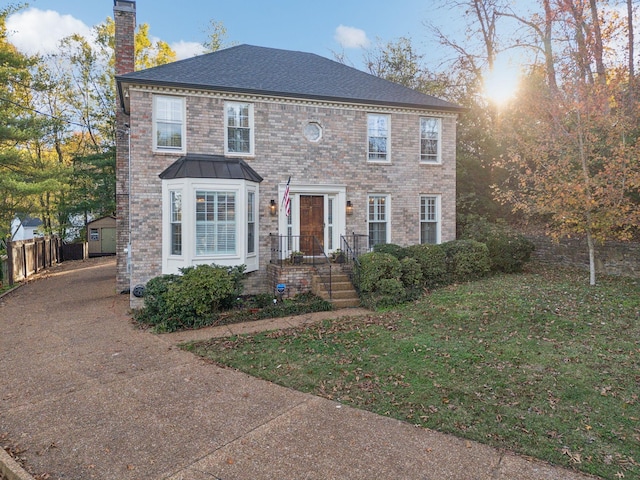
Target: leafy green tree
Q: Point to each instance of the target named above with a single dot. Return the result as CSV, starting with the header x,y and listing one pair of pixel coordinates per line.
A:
x,y
16,126
77,84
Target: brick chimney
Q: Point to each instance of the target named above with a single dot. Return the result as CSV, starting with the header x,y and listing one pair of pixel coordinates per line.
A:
x,y
124,15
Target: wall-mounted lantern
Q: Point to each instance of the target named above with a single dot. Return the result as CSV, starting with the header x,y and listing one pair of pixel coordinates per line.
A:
x,y
273,207
349,208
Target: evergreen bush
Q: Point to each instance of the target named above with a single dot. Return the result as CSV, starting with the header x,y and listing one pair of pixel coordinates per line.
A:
x,y
433,263
508,251
191,300
375,267
466,260
390,248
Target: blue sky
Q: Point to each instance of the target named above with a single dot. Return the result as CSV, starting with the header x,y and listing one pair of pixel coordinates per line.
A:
x,y
321,27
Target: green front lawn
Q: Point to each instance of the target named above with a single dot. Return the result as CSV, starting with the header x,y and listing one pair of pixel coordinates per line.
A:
x,y
539,363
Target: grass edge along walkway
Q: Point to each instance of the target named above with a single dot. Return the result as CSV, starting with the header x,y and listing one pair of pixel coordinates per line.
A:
x,y
539,363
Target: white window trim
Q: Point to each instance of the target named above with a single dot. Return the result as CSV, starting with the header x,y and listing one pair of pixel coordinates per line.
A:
x,y
170,219
256,233
438,160
387,212
251,151
189,187
183,132
229,190
387,159
438,198
337,192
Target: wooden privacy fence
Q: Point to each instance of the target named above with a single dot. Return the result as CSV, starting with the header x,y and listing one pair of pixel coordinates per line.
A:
x,y
27,257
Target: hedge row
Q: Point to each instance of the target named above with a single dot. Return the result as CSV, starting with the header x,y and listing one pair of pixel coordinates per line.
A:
x,y
391,274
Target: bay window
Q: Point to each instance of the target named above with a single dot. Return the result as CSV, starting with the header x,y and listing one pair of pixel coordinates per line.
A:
x,y
176,221
215,223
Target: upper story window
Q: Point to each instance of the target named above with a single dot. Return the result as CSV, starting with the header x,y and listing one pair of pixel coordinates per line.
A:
x,y
169,123
239,128
378,132
430,128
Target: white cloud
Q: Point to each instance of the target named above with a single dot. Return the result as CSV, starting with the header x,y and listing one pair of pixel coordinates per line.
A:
x,y
187,49
38,31
351,37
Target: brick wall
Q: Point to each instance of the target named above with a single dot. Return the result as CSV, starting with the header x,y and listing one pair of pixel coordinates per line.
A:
x,y
297,279
612,258
281,150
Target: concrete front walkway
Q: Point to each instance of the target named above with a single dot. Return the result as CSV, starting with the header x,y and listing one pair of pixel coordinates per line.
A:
x,y
88,396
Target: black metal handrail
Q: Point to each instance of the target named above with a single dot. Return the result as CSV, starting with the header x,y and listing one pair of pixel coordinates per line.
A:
x,y
297,250
352,247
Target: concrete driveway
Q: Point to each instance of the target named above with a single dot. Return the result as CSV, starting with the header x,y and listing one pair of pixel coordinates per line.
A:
x,y
88,396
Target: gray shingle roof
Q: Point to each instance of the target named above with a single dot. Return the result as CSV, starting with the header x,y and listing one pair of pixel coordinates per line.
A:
x,y
210,166
270,71
28,221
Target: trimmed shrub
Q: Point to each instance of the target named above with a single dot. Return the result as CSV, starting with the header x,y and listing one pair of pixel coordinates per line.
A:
x,y
390,248
203,291
411,276
508,252
379,280
466,260
155,300
433,263
375,267
191,300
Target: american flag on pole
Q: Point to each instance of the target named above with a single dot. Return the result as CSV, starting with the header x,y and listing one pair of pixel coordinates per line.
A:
x,y
286,200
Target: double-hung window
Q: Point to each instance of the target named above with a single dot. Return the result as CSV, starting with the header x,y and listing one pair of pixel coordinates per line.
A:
x,y
378,219
429,218
238,128
378,132
215,223
251,222
169,123
430,128
175,219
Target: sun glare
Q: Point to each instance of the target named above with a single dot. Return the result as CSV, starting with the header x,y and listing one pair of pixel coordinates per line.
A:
x,y
501,84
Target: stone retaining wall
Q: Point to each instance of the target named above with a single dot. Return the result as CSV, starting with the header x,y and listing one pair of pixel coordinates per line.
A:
x,y
612,258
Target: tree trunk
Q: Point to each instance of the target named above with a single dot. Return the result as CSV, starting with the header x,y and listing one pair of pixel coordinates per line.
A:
x,y
548,46
632,79
592,259
582,57
486,15
587,185
597,42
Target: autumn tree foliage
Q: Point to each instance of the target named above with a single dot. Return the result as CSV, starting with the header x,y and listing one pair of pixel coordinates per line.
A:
x,y
563,154
573,133
59,109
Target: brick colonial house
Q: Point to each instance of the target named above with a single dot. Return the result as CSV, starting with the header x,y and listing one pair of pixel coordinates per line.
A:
x,y
207,146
